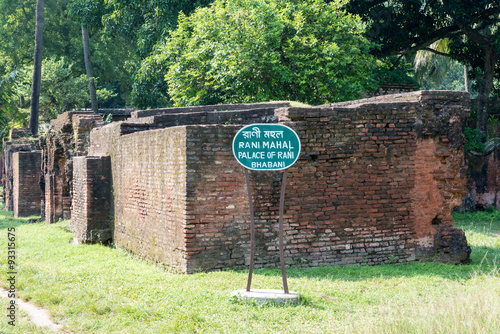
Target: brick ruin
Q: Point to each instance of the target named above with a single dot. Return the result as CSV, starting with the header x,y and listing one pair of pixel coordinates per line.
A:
x,y
16,169
26,189
67,137
376,182
483,175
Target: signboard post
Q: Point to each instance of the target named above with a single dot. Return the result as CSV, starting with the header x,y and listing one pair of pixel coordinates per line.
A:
x,y
266,147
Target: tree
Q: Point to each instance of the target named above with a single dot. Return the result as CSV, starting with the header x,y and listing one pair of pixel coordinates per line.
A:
x,y
147,22
402,27
253,50
37,68
64,88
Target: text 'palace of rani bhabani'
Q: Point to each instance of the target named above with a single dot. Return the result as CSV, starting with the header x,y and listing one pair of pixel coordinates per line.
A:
x,y
376,182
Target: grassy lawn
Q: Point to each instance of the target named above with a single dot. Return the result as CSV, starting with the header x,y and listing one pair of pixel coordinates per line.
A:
x,y
97,289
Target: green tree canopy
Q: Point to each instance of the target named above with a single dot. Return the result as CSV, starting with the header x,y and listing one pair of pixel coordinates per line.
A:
x,y
259,50
144,22
472,28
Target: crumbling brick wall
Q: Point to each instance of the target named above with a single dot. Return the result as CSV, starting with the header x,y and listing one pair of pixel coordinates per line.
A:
x,y
384,89
375,183
484,178
26,190
67,136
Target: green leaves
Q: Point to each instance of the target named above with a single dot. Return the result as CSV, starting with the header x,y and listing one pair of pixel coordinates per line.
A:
x,y
62,90
260,50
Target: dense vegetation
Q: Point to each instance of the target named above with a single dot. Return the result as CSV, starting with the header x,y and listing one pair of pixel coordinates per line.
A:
x,y
469,28
180,52
252,51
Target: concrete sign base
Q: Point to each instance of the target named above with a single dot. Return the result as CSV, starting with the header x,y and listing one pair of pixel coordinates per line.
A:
x,y
267,296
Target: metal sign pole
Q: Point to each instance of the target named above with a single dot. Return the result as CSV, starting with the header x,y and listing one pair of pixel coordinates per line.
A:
x,y
282,253
252,231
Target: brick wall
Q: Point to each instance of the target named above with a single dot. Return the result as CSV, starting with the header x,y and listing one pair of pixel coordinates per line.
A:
x,y
149,182
67,136
221,108
375,183
391,89
17,141
484,178
264,115
26,174
92,211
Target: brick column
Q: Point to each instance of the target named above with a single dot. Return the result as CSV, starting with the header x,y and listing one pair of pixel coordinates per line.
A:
x,y
27,193
92,213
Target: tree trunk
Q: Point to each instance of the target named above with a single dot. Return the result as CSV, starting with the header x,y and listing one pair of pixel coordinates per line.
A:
x,y
88,69
485,90
466,79
37,69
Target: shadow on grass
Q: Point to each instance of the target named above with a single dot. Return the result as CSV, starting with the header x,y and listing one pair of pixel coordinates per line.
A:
x,y
7,220
484,260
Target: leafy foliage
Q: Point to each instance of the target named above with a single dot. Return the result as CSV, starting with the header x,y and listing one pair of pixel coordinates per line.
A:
x,y
63,88
147,22
473,140
254,50
493,129
10,116
395,71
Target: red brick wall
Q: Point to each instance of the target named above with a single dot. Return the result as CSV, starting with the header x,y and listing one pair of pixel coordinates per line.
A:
x,y
92,214
375,183
27,193
149,183
68,136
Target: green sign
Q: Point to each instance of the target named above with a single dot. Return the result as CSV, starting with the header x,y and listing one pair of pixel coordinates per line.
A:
x,y
266,147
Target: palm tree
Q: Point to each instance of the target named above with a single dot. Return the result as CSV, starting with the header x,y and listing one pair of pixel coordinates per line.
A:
x,y
433,64
37,68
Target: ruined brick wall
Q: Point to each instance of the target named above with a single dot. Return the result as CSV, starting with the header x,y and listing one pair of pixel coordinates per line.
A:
x,y
390,89
264,115
484,178
67,136
375,183
220,108
26,174
92,211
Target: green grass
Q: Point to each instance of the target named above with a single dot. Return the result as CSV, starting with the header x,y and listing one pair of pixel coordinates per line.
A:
x,y
97,289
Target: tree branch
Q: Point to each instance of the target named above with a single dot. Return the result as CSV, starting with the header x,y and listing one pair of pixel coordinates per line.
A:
x,y
421,44
444,54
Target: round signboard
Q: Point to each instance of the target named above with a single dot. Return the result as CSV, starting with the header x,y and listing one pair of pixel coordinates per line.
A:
x,y
266,147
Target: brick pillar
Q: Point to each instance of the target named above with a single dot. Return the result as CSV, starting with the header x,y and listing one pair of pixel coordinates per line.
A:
x,y
92,213
27,192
